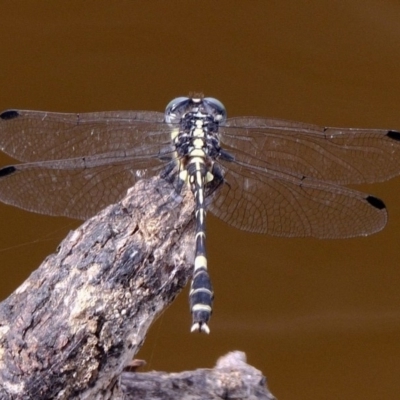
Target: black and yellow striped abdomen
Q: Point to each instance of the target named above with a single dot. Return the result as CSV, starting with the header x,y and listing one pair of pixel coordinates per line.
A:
x,y
195,167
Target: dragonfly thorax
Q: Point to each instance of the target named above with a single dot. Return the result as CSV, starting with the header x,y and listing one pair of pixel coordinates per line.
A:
x,y
197,120
197,137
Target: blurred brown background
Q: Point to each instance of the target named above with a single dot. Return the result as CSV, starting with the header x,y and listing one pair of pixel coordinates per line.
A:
x,y
321,319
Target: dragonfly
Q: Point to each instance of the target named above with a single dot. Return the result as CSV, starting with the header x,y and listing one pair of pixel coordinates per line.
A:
x,y
262,175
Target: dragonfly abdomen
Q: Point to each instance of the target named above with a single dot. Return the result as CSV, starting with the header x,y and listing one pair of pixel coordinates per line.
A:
x,y
201,293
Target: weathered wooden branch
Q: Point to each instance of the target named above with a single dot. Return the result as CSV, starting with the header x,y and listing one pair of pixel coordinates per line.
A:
x,y
232,378
70,329
78,320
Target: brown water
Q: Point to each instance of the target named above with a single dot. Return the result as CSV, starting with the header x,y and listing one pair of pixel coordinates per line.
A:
x,y
321,319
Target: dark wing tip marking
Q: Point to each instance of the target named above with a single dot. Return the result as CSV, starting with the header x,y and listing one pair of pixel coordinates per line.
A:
x,y
7,171
374,201
9,114
395,135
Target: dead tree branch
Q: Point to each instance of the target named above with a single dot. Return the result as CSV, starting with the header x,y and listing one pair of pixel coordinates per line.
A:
x,y
72,327
232,378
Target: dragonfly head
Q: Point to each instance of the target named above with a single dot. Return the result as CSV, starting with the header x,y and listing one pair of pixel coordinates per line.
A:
x,y
179,107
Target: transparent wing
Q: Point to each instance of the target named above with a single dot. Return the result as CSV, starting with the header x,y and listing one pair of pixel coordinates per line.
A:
x,y
79,187
38,136
336,155
268,201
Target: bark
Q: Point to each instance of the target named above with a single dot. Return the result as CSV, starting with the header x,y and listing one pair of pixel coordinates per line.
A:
x,y
232,378
69,331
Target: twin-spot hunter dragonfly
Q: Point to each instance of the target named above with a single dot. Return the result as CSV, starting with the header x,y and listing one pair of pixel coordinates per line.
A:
x,y
258,174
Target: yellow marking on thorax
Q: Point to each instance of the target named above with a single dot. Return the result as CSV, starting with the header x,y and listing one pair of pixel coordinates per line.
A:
x,y
198,132
183,175
196,159
197,153
198,143
174,133
198,150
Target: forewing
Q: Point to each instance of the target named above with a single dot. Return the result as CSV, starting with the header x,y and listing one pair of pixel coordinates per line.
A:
x,y
268,201
336,155
76,188
37,136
